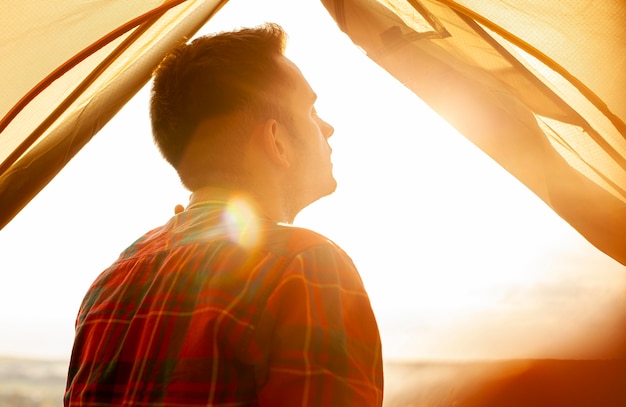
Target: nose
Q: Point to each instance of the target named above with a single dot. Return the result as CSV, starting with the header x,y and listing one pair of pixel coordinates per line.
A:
x,y
327,129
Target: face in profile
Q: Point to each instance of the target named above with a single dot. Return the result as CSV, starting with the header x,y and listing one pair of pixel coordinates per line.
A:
x,y
311,169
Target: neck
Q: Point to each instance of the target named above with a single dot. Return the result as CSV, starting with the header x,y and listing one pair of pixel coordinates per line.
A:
x,y
267,205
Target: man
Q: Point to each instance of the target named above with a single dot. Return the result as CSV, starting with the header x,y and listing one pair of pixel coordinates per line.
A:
x,y
225,305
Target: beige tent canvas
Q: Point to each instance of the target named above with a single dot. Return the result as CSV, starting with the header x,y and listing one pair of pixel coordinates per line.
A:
x,y
536,85
67,70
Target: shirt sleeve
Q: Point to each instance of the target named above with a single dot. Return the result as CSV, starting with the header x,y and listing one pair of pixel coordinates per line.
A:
x,y
319,336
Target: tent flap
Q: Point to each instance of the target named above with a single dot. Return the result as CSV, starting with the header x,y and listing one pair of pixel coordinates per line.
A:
x,y
106,52
521,80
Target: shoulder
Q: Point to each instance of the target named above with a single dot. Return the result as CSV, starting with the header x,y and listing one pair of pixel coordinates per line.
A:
x,y
313,257
292,240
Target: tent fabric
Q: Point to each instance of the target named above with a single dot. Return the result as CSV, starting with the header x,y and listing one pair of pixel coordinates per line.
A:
x,y
539,86
67,70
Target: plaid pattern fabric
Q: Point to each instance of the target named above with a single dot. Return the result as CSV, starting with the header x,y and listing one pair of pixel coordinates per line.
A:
x,y
220,309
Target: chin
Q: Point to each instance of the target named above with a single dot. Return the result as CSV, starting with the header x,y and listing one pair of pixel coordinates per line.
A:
x,y
322,191
330,188
334,187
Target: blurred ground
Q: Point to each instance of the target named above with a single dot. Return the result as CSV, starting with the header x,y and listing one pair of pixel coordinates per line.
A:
x,y
31,382
509,383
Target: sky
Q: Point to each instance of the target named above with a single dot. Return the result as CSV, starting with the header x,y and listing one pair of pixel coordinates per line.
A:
x,y
460,260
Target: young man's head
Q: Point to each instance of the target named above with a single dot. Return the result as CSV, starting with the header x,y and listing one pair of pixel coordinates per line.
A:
x,y
230,107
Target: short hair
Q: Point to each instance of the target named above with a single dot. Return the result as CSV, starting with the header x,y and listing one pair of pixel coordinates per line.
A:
x,y
213,76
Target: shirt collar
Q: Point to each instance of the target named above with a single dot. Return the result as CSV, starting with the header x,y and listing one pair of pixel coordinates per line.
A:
x,y
208,195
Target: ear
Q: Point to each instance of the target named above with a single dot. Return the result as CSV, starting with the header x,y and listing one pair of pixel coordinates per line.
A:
x,y
273,139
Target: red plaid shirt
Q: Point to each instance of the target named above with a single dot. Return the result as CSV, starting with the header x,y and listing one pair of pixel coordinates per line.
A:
x,y
220,308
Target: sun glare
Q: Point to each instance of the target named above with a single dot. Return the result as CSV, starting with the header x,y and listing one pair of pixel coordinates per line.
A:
x,y
241,223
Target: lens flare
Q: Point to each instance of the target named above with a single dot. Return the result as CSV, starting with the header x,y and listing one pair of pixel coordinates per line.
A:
x,y
241,222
